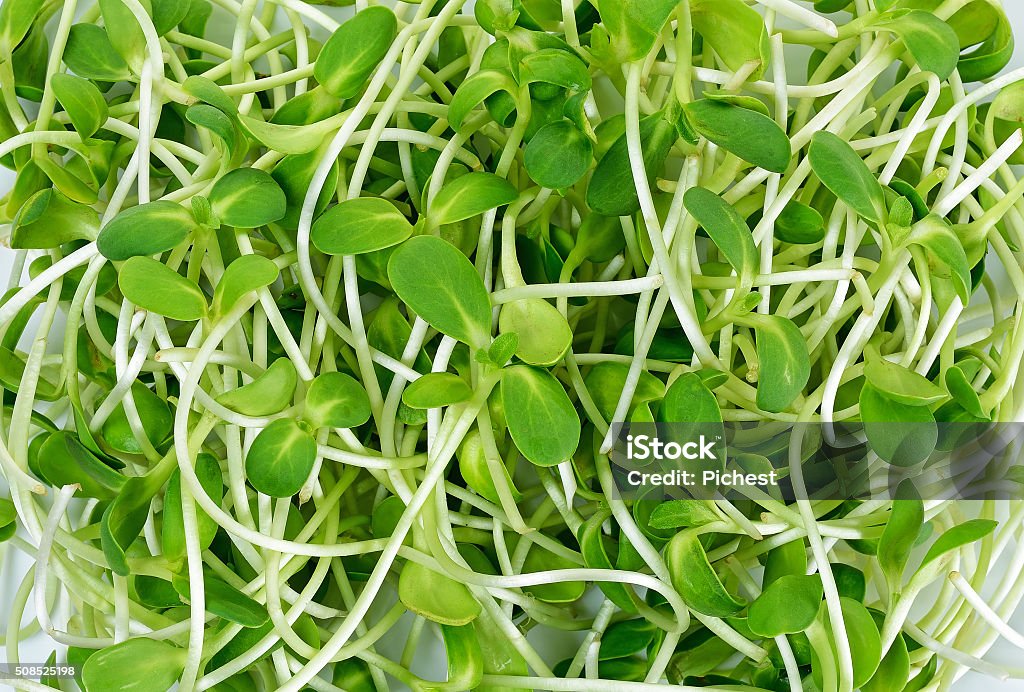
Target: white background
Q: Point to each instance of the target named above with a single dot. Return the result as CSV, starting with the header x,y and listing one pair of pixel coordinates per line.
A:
x,y
38,649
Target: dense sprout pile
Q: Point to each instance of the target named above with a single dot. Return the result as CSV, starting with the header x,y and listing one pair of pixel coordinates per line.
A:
x,y
318,321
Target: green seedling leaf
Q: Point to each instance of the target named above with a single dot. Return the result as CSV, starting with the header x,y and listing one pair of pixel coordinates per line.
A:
x,y
787,560
354,50
476,90
215,121
465,657
895,666
358,226
726,228
155,414
695,579
435,390
435,596
247,274
336,400
605,382
612,189
502,349
899,434
247,198
82,101
787,606
735,31
207,91
90,54
901,384
544,335
558,155
266,395
595,547
748,134
477,473
48,219
900,534
626,638
540,560
783,362
134,664
210,477
932,42
468,196
800,224
540,416
225,601
679,514
16,20
280,459
155,287
843,172
148,229
294,174
944,246
959,536
634,25
441,285
557,67
63,460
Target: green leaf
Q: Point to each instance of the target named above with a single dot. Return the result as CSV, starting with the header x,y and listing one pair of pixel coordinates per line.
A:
x,y
787,606
932,42
555,66
266,395
435,596
280,459
626,638
243,276
468,196
695,580
134,664
541,419
901,384
167,14
612,189
503,347
865,643
442,286
748,134
156,416
895,666
248,198
156,287
558,155
204,115
605,382
786,560
125,517
678,514
940,240
63,460
843,172
90,54
336,400
726,228
634,25
225,601
211,479
287,139
361,225
959,536
477,88
148,229
544,334
465,657
435,390
126,37
83,102
800,224
16,19
784,366
899,434
735,31
48,219
354,50
207,91
541,560
900,534
294,174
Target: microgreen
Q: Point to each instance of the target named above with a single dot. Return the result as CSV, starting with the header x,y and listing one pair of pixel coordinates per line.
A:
x,y
325,322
